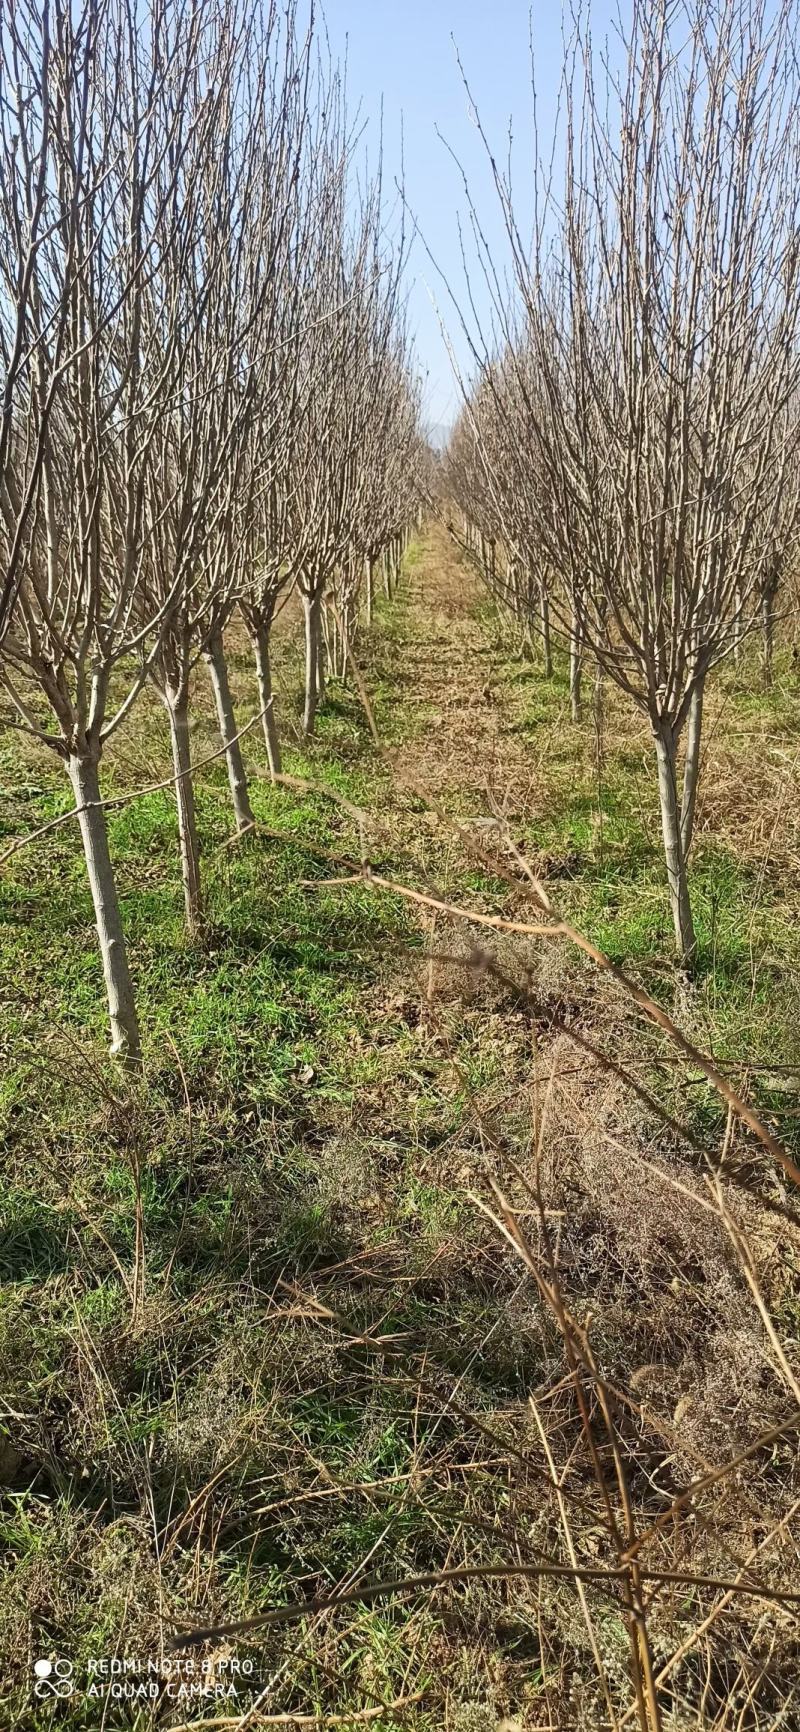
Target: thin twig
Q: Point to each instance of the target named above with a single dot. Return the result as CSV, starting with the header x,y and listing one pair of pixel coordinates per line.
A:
x,y
116,801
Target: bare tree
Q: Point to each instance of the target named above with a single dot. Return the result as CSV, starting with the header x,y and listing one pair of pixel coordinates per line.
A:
x,y
357,273
97,159
222,270
25,94
193,313
277,540
282,238
388,493
499,527
654,350
269,573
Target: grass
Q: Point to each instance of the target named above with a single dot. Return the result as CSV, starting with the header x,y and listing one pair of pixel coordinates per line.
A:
x,y
285,1100
238,1297
596,832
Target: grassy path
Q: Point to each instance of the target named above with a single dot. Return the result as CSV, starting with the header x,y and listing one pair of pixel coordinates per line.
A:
x,y
255,1339
297,1145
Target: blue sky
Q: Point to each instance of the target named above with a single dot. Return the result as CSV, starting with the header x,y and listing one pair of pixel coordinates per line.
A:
x,y
401,51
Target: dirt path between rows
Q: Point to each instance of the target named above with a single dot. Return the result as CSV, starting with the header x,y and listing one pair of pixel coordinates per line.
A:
x,y
466,745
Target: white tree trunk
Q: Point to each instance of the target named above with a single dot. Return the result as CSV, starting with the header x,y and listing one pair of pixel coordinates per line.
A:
x,y
544,604
739,626
261,632
321,664
237,776
575,669
177,705
312,608
370,582
691,768
125,1041
768,634
667,759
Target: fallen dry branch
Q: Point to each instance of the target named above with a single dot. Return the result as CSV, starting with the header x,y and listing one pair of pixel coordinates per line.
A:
x,y
564,929
707,1623
359,1717
549,1567
497,921
533,890
486,964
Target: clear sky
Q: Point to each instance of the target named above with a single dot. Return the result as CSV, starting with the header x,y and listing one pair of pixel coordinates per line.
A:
x,y
402,51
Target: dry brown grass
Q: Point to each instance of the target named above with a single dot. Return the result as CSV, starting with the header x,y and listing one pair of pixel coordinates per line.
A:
x,y
669,1291
550,1340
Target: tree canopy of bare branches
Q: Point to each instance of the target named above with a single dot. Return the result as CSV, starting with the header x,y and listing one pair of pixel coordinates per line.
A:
x,y
207,393
90,187
633,432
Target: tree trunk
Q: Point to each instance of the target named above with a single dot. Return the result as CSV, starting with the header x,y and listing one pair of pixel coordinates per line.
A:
x,y
327,622
597,697
575,669
666,755
768,634
691,768
260,631
125,1041
334,638
544,605
312,607
321,663
511,589
347,637
177,706
370,580
737,630
237,776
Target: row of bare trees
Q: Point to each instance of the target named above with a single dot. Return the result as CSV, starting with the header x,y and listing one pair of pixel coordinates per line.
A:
x,y
207,396
626,463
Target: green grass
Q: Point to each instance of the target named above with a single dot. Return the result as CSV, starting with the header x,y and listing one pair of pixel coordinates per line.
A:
x,y
301,1141
278,1133
598,833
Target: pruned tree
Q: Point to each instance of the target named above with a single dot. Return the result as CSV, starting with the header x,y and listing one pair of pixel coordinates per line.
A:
x,y
87,191
654,351
223,272
291,123
498,530
25,137
269,567
277,540
387,497
353,306
195,316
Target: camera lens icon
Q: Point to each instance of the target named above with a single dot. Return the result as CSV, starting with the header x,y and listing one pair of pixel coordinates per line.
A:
x,y
53,1678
